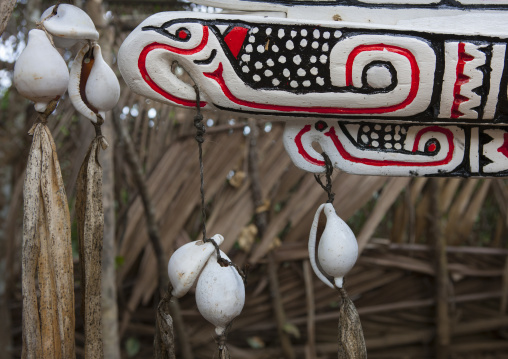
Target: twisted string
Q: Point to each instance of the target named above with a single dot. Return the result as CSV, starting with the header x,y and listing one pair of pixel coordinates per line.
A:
x,y
328,174
40,24
200,132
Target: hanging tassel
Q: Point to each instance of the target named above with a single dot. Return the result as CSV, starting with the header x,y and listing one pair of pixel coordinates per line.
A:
x,y
90,223
222,349
222,353
164,341
48,321
351,341
336,255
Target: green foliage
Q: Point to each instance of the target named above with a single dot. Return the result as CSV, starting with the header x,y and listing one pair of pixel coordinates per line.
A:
x,y
132,346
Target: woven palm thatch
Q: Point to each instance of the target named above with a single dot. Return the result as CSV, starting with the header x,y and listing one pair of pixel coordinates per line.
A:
x,y
394,283
431,280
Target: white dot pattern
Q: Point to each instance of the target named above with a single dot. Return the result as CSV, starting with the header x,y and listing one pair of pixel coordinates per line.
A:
x,y
287,57
383,136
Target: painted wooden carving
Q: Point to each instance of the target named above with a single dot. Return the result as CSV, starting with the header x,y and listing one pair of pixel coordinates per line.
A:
x,y
410,89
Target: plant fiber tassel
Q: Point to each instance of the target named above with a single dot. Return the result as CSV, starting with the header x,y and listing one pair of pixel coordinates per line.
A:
x,y
90,223
351,341
47,267
164,341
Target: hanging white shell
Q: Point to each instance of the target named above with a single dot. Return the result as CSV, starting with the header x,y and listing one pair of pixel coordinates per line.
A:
x,y
40,73
337,250
102,87
220,293
69,26
100,91
187,262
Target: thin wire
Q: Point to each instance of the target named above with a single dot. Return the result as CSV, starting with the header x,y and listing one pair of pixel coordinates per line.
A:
x,y
328,174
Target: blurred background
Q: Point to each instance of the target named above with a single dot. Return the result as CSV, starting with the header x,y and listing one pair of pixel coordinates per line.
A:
x,y
431,280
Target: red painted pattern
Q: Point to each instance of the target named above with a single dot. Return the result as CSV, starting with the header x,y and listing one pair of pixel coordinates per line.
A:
x,y
460,80
217,75
235,38
301,149
504,147
378,163
176,50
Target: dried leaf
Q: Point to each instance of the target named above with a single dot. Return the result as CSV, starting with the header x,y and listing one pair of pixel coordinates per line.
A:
x,y
276,243
247,237
237,179
264,207
47,253
292,330
351,341
90,223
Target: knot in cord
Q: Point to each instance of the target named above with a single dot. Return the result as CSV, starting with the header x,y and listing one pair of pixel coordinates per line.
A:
x,y
328,174
200,127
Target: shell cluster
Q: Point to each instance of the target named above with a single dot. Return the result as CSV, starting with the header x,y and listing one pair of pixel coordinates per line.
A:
x,y
220,291
41,74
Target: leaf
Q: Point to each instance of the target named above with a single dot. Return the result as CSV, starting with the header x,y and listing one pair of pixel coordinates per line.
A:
x,y
256,342
292,329
132,346
119,261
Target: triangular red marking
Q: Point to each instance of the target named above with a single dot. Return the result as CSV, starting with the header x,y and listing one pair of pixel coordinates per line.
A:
x,y
462,79
504,147
235,38
464,56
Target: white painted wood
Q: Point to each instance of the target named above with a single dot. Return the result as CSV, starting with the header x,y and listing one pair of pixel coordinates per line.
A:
x,y
496,67
423,70
493,151
474,150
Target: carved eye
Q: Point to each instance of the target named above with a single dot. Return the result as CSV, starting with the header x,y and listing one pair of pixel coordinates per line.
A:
x,y
321,126
432,146
183,34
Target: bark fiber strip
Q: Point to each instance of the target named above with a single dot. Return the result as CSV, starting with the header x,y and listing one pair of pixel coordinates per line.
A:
x,y
48,322
90,223
351,341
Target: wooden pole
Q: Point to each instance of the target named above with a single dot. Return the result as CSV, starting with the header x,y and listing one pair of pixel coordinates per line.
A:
x,y
441,266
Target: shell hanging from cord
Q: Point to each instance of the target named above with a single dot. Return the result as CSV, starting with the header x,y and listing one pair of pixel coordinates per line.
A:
x,y
220,291
338,249
93,86
40,72
69,25
186,264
